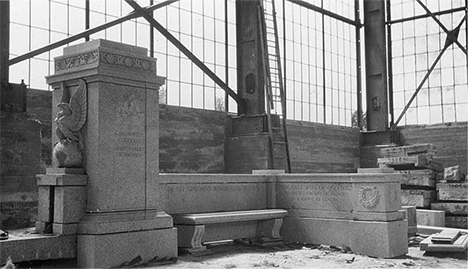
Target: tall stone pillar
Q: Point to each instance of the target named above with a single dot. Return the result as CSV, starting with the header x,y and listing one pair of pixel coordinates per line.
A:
x,y
123,223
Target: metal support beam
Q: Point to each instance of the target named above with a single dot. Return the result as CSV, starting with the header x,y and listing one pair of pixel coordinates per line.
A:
x,y
144,12
326,12
4,46
389,65
440,24
419,88
376,65
358,64
438,13
451,38
250,77
87,17
86,33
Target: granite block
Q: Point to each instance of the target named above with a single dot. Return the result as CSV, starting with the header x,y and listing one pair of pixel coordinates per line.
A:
x,y
190,197
411,218
460,245
343,192
354,215
59,228
40,226
69,204
333,232
119,222
371,238
379,239
418,198
424,177
190,236
61,171
376,170
452,208
453,191
232,216
62,180
117,249
267,172
232,230
32,247
453,173
456,221
431,217
43,208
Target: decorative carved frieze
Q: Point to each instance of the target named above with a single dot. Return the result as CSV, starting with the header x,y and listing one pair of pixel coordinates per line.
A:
x,y
104,57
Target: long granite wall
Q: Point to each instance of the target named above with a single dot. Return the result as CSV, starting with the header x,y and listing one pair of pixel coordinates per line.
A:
x,y
191,140
321,148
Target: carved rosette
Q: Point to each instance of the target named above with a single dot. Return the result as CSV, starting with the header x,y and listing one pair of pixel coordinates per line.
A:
x,y
369,197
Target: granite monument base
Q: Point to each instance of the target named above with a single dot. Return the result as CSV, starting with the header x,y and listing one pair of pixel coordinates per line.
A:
x,y
125,238
371,238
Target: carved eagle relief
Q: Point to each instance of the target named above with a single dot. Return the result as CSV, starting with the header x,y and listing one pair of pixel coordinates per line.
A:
x,y
72,113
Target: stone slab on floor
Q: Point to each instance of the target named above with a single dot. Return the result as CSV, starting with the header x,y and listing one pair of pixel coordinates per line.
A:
x,y
460,245
430,217
371,238
30,247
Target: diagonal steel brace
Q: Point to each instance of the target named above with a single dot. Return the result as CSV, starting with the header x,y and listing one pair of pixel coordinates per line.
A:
x,y
187,53
449,33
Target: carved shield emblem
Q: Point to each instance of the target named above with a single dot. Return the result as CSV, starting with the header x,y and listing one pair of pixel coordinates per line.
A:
x,y
369,196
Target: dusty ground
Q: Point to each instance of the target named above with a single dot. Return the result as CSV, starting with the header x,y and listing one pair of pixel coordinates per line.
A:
x,y
237,255
299,256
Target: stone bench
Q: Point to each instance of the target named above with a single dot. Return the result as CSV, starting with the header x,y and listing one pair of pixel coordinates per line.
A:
x,y
195,229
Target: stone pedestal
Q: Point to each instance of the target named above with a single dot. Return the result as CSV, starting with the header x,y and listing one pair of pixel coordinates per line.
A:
x,y
62,200
123,222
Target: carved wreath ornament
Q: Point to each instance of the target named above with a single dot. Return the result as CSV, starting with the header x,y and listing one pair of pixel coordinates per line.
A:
x,y
369,196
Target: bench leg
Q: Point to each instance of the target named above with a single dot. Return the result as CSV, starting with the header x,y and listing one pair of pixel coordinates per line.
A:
x,y
190,237
269,228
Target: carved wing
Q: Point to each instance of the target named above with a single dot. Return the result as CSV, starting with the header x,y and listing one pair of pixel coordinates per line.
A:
x,y
79,107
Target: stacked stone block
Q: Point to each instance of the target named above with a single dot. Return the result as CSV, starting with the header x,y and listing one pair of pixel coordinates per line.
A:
x,y
453,198
420,172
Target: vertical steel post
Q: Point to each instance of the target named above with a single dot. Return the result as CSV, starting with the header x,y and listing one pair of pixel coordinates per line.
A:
x,y
389,65
87,18
4,46
151,33
226,53
358,64
376,65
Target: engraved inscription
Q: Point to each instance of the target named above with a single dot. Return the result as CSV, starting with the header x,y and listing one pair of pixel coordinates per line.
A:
x,y
317,195
205,188
130,139
130,144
